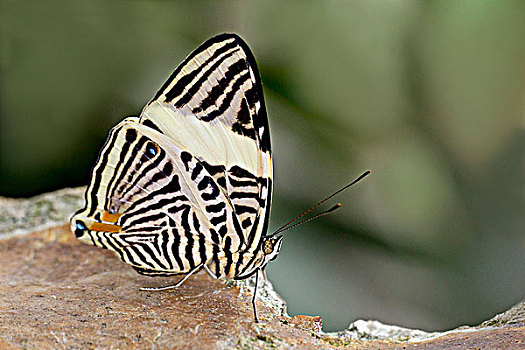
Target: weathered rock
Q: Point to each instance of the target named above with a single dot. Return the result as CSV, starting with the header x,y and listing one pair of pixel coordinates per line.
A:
x,y
58,293
19,216
514,315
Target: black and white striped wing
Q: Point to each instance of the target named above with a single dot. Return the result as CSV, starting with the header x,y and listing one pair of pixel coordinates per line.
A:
x,y
213,107
148,202
189,182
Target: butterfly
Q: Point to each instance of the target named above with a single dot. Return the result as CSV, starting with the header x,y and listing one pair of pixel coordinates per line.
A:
x,y
187,185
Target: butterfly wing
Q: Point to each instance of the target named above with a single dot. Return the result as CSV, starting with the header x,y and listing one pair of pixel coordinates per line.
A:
x,y
213,107
153,204
188,182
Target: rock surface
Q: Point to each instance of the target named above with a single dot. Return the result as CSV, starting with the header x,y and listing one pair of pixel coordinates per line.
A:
x,y
58,293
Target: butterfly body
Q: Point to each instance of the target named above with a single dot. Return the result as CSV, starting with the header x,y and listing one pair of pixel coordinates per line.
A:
x,y
187,184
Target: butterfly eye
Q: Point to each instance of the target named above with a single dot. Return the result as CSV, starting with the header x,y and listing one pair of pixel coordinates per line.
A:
x,y
80,227
268,247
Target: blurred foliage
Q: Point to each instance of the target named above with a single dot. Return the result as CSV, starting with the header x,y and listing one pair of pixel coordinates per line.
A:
x,y
428,94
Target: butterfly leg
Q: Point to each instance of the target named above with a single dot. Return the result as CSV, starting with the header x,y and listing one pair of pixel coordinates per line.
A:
x,y
211,274
254,296
174,285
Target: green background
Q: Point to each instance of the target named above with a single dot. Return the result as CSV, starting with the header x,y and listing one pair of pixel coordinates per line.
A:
x,y
429,95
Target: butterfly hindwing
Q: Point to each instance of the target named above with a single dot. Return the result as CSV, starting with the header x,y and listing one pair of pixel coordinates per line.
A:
x,y
154,204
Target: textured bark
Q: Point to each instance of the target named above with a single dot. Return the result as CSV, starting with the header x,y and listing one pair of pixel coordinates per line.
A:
x,y
58,293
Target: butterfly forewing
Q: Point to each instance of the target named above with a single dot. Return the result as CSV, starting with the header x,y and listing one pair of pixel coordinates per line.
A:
x,y
216,96
188,183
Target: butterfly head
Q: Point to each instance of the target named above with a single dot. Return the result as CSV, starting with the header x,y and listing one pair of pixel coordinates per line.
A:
x,y
271,247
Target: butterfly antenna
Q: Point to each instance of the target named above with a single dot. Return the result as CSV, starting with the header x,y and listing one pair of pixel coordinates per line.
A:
x,y
287,225
337,206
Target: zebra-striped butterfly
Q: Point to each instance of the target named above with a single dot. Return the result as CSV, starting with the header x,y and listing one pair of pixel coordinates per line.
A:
x,y
187,185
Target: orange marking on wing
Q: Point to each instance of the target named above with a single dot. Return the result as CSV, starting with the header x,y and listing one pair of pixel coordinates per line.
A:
x,y
106,216
98,226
